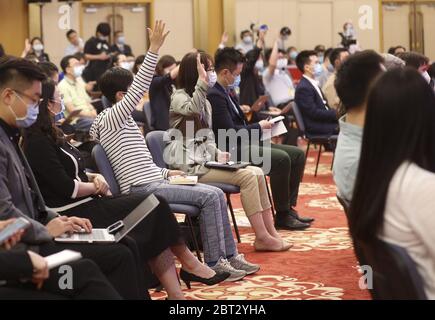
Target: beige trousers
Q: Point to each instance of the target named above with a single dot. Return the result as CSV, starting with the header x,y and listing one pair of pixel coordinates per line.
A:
x,y
252,186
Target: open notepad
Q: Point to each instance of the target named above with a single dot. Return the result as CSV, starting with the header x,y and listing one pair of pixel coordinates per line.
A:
x,y
61,258
278,128
183,180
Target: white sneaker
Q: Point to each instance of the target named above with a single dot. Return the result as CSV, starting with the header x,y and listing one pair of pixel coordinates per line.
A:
x,y
224,265
238,262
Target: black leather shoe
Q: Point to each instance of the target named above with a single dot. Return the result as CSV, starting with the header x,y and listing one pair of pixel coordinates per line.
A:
x,y
289,223
189,277
295,215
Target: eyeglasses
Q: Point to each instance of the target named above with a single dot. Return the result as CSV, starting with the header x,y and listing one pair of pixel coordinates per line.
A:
x,y
36,102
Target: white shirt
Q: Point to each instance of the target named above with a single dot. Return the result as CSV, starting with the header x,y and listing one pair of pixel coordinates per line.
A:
x,y
409,219
279,86
316,86
73,49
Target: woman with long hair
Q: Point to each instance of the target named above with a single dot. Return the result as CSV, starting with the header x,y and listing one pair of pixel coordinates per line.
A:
x,y
69,190
393,197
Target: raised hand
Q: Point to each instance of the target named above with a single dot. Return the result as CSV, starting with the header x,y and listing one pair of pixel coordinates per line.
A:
x,y
224,38
157,36
202,74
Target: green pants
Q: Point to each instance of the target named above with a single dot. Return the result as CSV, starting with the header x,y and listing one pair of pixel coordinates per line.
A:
x,y
286,172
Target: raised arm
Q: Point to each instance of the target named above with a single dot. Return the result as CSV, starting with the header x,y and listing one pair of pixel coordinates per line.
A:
x,y
118,115
195,105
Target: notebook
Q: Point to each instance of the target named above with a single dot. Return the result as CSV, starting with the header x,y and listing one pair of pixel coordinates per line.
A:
x,y
183,180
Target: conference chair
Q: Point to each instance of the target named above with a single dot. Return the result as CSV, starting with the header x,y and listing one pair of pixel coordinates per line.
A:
x,y
105,168
156,145
317,140
394,273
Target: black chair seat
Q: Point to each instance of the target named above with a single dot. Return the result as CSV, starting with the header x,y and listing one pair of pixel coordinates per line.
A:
x,y
190,210
226,188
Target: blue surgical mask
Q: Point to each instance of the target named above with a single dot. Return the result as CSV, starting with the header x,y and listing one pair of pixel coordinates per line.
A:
x,y
30,118
318,70
236,83
321,59
294,55
212,78
121,40
61,114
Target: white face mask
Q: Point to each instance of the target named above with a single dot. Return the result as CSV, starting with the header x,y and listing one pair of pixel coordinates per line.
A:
x,y
78,71
126,65
38,47
212,78
259,65
282,63
248,40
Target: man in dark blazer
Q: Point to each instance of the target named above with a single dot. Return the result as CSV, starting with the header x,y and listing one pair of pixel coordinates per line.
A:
x,y
319,119
287,162
20,94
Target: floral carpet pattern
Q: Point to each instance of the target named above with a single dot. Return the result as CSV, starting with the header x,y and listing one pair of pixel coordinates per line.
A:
x,y
321,265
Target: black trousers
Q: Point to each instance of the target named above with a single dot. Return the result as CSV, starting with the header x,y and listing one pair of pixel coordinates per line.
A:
x,y
116,261
157,232
88,283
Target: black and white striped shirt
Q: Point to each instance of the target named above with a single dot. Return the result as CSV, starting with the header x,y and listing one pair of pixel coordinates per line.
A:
x,y
122,139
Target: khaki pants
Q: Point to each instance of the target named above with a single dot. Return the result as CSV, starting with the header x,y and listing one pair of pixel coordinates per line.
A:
x,y
252,186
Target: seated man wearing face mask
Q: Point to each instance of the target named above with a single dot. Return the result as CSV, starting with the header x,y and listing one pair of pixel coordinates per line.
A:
x,y
120,46
277,81
319,118
74,92
247,43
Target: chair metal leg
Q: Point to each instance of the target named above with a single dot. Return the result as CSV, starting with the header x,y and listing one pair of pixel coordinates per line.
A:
x,y
195,243
333,159
306,154
270,196
318,160
236,228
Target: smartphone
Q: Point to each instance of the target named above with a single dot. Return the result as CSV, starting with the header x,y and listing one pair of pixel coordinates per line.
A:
x,y
115,227
10,230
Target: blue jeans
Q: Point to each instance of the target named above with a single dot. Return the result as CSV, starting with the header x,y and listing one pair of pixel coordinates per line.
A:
x,y
216,234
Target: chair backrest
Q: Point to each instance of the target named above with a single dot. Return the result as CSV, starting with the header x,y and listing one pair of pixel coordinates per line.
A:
x,y
105,168
299,119
148,114
156,146
345,204
395,275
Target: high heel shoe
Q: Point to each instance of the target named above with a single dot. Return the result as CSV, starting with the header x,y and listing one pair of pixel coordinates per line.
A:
x,y
189,277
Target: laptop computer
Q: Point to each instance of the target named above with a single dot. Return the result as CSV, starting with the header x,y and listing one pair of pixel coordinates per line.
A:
x,y
230,166
118,230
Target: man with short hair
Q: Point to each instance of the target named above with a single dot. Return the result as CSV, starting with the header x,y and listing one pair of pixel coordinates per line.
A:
x,y
75,95
20,96
76,44
97,53
353,82
287,162
247,43
337,56
120,46
319,118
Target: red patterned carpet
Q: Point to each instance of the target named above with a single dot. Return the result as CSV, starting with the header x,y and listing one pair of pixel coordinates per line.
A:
x,y
321,264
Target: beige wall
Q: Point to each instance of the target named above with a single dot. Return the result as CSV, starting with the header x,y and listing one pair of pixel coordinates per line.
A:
x,y
178,14
279,13
13,25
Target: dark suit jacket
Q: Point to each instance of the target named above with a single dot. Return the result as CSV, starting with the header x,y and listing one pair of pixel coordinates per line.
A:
x,y
127,50
317,119
15,198
225,117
